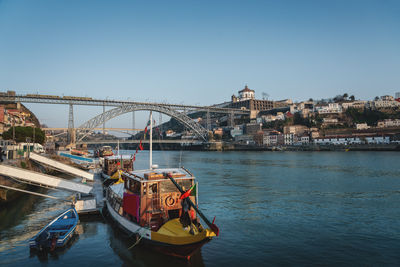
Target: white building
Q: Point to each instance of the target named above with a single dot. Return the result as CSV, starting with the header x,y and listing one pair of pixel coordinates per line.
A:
x,y
359,104
305,108
246,94
305,139
330,108
337,140
270,118
385,104
389,123
288,139
330,120
347,140
362,126
387,98
378,140
270,140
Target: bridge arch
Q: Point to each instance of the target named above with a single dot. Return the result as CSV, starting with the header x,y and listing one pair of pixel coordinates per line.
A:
x,y
199,130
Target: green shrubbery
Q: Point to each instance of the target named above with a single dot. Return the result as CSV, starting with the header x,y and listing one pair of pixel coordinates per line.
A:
x,y
21,133
371,117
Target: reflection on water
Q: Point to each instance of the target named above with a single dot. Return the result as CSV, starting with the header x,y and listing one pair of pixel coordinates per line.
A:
x,y
142,254
280,208
13,213
45,255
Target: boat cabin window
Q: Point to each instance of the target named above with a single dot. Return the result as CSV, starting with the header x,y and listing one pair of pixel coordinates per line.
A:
x,y
115,201
144,189
185,184
168,187
153,188
133,186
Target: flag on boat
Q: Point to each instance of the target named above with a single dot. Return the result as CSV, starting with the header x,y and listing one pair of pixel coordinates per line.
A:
x,y
190,192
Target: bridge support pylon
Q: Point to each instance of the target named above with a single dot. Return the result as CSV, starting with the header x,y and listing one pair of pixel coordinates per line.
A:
x,y
71,129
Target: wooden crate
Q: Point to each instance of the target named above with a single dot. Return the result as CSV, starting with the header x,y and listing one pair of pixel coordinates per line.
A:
x,y
177,175
153,176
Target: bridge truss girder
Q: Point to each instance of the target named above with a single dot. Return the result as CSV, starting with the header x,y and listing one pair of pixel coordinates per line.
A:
x,y
88,126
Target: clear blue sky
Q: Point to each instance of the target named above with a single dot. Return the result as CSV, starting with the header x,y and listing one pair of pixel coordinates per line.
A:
x,y
198,52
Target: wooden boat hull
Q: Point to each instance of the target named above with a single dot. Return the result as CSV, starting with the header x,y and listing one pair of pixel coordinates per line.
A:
x,y
181,251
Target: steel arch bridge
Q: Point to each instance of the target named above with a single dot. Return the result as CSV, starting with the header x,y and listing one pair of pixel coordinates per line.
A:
x,y
89,126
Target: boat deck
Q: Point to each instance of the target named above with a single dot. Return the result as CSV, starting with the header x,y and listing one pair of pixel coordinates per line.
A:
x,y
160,174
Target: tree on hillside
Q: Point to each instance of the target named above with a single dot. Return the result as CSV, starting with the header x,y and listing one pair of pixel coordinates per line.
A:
x,y
376,98
371,117
345,95
21,133
352,98
277,125
298,119
338,98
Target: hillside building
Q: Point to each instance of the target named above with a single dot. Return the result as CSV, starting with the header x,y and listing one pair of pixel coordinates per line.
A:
x,y
295,129
331,108
384,104
388,123
246,100
387,98
362,126
359,104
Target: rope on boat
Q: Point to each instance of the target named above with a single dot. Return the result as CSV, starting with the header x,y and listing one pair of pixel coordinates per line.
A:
x,y
137,242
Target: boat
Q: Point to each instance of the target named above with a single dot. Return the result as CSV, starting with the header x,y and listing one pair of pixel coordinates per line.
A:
x,y
79,152
57,233
113,165
157,207
104,151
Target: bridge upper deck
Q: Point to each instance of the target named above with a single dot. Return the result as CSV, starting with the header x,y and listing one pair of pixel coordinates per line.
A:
x,y
88,101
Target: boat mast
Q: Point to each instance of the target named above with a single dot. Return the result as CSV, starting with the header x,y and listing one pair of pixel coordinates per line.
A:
x,y
151,139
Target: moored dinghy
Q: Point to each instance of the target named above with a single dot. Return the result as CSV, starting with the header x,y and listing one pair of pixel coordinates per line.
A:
x,y
57,233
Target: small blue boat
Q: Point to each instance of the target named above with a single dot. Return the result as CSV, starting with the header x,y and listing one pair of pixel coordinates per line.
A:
x,y
57,233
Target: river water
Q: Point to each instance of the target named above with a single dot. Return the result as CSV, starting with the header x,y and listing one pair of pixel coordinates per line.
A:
x,y
273,208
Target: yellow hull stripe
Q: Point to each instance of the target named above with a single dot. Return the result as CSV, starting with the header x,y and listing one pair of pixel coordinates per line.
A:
x,y
173,233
